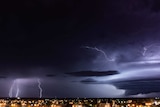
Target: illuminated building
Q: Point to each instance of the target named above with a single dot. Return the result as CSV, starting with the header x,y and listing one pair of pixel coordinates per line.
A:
x,y
76,105
113,103
102,105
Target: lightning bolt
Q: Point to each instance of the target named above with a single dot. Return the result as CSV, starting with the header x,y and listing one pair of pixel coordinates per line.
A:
x,y
40,88
145,49
17,91
12,87
101,51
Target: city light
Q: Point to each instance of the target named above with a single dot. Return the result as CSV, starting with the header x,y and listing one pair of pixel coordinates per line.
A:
x,y
79,103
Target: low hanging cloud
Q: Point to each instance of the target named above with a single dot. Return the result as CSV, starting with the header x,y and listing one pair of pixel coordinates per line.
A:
x,y
141,86
88,80
3,77
132,87
50,75
92,73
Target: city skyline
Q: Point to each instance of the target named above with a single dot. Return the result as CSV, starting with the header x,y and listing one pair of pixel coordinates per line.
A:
x,y
80,102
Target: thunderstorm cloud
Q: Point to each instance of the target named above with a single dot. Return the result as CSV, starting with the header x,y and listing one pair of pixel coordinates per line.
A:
x,y
3,77
50,75
88,80
93,73
134,87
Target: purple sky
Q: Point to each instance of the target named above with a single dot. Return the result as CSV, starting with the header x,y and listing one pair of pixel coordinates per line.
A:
x,y
71,46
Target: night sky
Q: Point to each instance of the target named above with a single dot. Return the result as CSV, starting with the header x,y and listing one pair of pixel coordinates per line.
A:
x,y
80,48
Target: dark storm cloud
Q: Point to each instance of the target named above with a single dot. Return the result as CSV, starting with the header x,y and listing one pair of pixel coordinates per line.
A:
x,y
27,71
146,86
3,77
93,73
50,75
88,80
141,86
